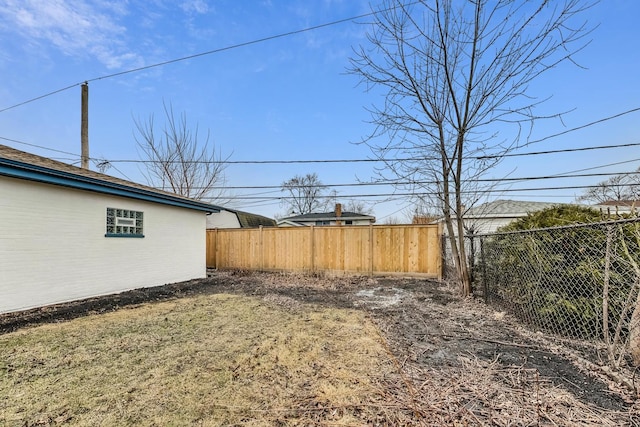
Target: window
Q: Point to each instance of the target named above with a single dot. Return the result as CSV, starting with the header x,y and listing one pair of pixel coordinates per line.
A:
x,y
124,223
348,222
323,222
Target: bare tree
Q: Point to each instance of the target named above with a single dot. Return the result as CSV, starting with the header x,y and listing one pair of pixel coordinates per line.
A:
x,y
176,160
624,187
357,206
392,220
453,72
421,214
329,200
305,194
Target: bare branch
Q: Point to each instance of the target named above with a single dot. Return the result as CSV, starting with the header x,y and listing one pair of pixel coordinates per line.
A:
x,y
176,160
451,72
306,194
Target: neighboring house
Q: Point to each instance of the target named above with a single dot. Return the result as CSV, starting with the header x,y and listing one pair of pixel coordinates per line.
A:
x,y
424,219
488,217
68,233
231,218
337,217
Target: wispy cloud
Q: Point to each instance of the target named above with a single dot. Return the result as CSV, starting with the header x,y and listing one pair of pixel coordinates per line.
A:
x,y
75,27
195,6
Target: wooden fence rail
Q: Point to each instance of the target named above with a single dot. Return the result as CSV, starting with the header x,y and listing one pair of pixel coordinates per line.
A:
x,y
374,249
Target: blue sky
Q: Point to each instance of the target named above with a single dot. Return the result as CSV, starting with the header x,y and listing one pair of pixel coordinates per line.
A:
x,y
289,98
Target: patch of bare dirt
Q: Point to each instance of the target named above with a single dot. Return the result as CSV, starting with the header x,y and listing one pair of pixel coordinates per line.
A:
x,y
458,361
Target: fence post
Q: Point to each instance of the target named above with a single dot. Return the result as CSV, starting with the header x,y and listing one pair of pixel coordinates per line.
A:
x,y
371,249
441,248
215,251
261,247
471,259
605,294
313,248
483,264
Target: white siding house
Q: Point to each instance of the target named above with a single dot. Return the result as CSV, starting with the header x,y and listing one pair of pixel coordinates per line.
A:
x,y
223,219
68,233
337,217
489,217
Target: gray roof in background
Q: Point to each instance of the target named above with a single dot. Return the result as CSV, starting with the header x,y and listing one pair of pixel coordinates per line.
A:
x,y
507,209
630,203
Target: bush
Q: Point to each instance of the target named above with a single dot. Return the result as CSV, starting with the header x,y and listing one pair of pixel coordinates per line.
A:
x,y
553,277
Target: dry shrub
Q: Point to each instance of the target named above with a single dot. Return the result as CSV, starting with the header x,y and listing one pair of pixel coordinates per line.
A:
x,y
480,393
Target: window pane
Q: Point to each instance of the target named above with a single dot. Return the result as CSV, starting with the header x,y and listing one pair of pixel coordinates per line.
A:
x,y
124,221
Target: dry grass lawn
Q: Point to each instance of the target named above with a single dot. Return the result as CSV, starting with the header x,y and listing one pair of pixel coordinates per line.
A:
x,y
205,360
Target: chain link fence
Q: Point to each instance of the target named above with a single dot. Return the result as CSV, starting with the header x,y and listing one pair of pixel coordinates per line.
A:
x,y
578,282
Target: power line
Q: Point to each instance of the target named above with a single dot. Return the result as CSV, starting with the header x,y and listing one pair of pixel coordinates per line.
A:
x,y
566,150
601,166
253,162
406,159
426,193
615,116
406,183
121,173
40,97
39,146
392,213
272,162
209,52
235,46
312,161
571,174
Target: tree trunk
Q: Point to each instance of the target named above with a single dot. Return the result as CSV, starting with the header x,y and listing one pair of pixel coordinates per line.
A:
x,y
465,277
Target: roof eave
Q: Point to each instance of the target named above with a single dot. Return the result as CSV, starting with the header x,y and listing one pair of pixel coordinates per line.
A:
x,y
16,169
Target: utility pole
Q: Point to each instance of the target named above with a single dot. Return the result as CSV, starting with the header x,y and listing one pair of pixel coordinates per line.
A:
x,y
84,126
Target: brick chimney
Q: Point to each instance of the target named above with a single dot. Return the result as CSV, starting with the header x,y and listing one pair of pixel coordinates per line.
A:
x,y
338,213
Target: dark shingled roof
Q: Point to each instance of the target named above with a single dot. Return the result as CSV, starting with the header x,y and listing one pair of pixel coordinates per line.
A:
x,y
249,220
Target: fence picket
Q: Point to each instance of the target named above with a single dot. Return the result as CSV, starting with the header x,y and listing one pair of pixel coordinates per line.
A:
x,y
374,249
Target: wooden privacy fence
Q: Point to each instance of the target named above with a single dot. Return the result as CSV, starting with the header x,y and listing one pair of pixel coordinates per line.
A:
x,y
373,249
